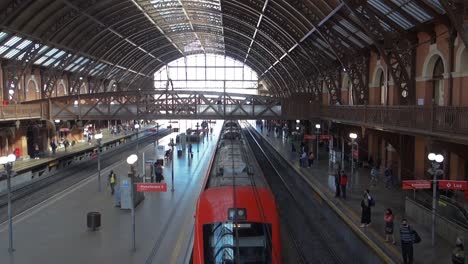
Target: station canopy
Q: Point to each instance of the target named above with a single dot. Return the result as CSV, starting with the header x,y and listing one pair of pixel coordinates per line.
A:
x,y
281,40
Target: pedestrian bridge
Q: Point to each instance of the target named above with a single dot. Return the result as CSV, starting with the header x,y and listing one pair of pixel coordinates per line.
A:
x,y
159,104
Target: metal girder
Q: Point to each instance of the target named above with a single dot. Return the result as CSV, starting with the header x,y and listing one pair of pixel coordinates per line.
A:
x,y
398,52
457,11
16,67
167,104
330,79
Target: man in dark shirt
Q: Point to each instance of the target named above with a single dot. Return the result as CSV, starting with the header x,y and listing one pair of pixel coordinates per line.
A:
x,y
407,238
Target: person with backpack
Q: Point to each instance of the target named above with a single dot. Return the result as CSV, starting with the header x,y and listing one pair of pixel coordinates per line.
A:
x,y
158,172
343,183
366,203
458,253
408,236
112,181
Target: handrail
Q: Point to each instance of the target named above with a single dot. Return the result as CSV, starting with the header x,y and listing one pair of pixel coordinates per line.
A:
x,y
20,111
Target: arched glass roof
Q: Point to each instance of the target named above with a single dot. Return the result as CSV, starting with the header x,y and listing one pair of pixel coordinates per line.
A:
x,y
210,72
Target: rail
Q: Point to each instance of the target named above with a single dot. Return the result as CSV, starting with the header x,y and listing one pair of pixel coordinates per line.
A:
x,y
435,119
20,111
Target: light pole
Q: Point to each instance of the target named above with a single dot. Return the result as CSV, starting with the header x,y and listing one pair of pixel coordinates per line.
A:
x,y
7,162
98,138
317,132
198,141
137,126
353,137
171,144
435,171
131,161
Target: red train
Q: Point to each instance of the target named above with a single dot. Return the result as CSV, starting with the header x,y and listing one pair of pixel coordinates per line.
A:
x,y
236,218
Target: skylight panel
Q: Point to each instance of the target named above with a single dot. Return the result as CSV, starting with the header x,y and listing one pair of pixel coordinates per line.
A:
x,y
3,35
12,41
48,62
11,53
23,44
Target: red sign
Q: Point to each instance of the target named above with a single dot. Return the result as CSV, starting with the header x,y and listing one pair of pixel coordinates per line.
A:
x,y
453,185
309,136
152,187
416,184
326,137
355,154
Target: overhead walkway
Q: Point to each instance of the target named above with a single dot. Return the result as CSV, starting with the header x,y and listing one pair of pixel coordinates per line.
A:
x,y
160,104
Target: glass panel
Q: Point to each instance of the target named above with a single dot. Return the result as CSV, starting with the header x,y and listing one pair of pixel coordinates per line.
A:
x,y
237,242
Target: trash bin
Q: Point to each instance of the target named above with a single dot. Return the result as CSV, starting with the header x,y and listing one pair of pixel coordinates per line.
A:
x,y
93,220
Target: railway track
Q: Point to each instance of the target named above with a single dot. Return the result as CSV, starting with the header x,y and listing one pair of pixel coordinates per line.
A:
x,y
29,195
307,230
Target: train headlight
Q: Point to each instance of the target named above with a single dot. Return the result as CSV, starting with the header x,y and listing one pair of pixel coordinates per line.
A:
x,y
237,214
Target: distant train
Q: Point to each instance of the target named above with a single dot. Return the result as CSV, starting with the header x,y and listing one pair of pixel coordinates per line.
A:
x,y
236,218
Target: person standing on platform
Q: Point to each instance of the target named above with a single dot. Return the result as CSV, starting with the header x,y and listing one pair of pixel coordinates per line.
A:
x,y
407,239
53,146
36,151
158,171
311,158
337,183
388,177
343,183
458,253
66,144
374,176
112,181
293,147
389,218
366,209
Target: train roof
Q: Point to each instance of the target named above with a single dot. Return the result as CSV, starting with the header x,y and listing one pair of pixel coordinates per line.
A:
x,y
234,163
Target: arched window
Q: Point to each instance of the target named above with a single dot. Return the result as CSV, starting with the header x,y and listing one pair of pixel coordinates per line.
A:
x,y
383,88
207,72
438,82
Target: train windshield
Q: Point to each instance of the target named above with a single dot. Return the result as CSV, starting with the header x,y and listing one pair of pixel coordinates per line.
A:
x,y
230,242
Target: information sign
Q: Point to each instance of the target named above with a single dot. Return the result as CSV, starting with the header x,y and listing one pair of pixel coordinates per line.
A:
x,y
416,184
453,185
152,187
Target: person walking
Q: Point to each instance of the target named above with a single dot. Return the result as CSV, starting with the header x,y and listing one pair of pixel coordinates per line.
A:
x,y
343,184
66,144
311,158
458,253
53,146
112,181
337,183
388,177
407,239
293,147
366,209
389,218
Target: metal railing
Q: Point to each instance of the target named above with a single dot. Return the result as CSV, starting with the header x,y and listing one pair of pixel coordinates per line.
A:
x,y
440,119
20,111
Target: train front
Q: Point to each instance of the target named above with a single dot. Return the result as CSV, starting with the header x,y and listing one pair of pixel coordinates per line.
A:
x,y
236,218
237,232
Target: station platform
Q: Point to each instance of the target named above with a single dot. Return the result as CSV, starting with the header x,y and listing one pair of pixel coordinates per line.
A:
x,y
350,210
47,157
55,231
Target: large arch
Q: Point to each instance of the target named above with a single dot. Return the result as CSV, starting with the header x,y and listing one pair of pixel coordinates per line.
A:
x,y
207,72
461,60
430,61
